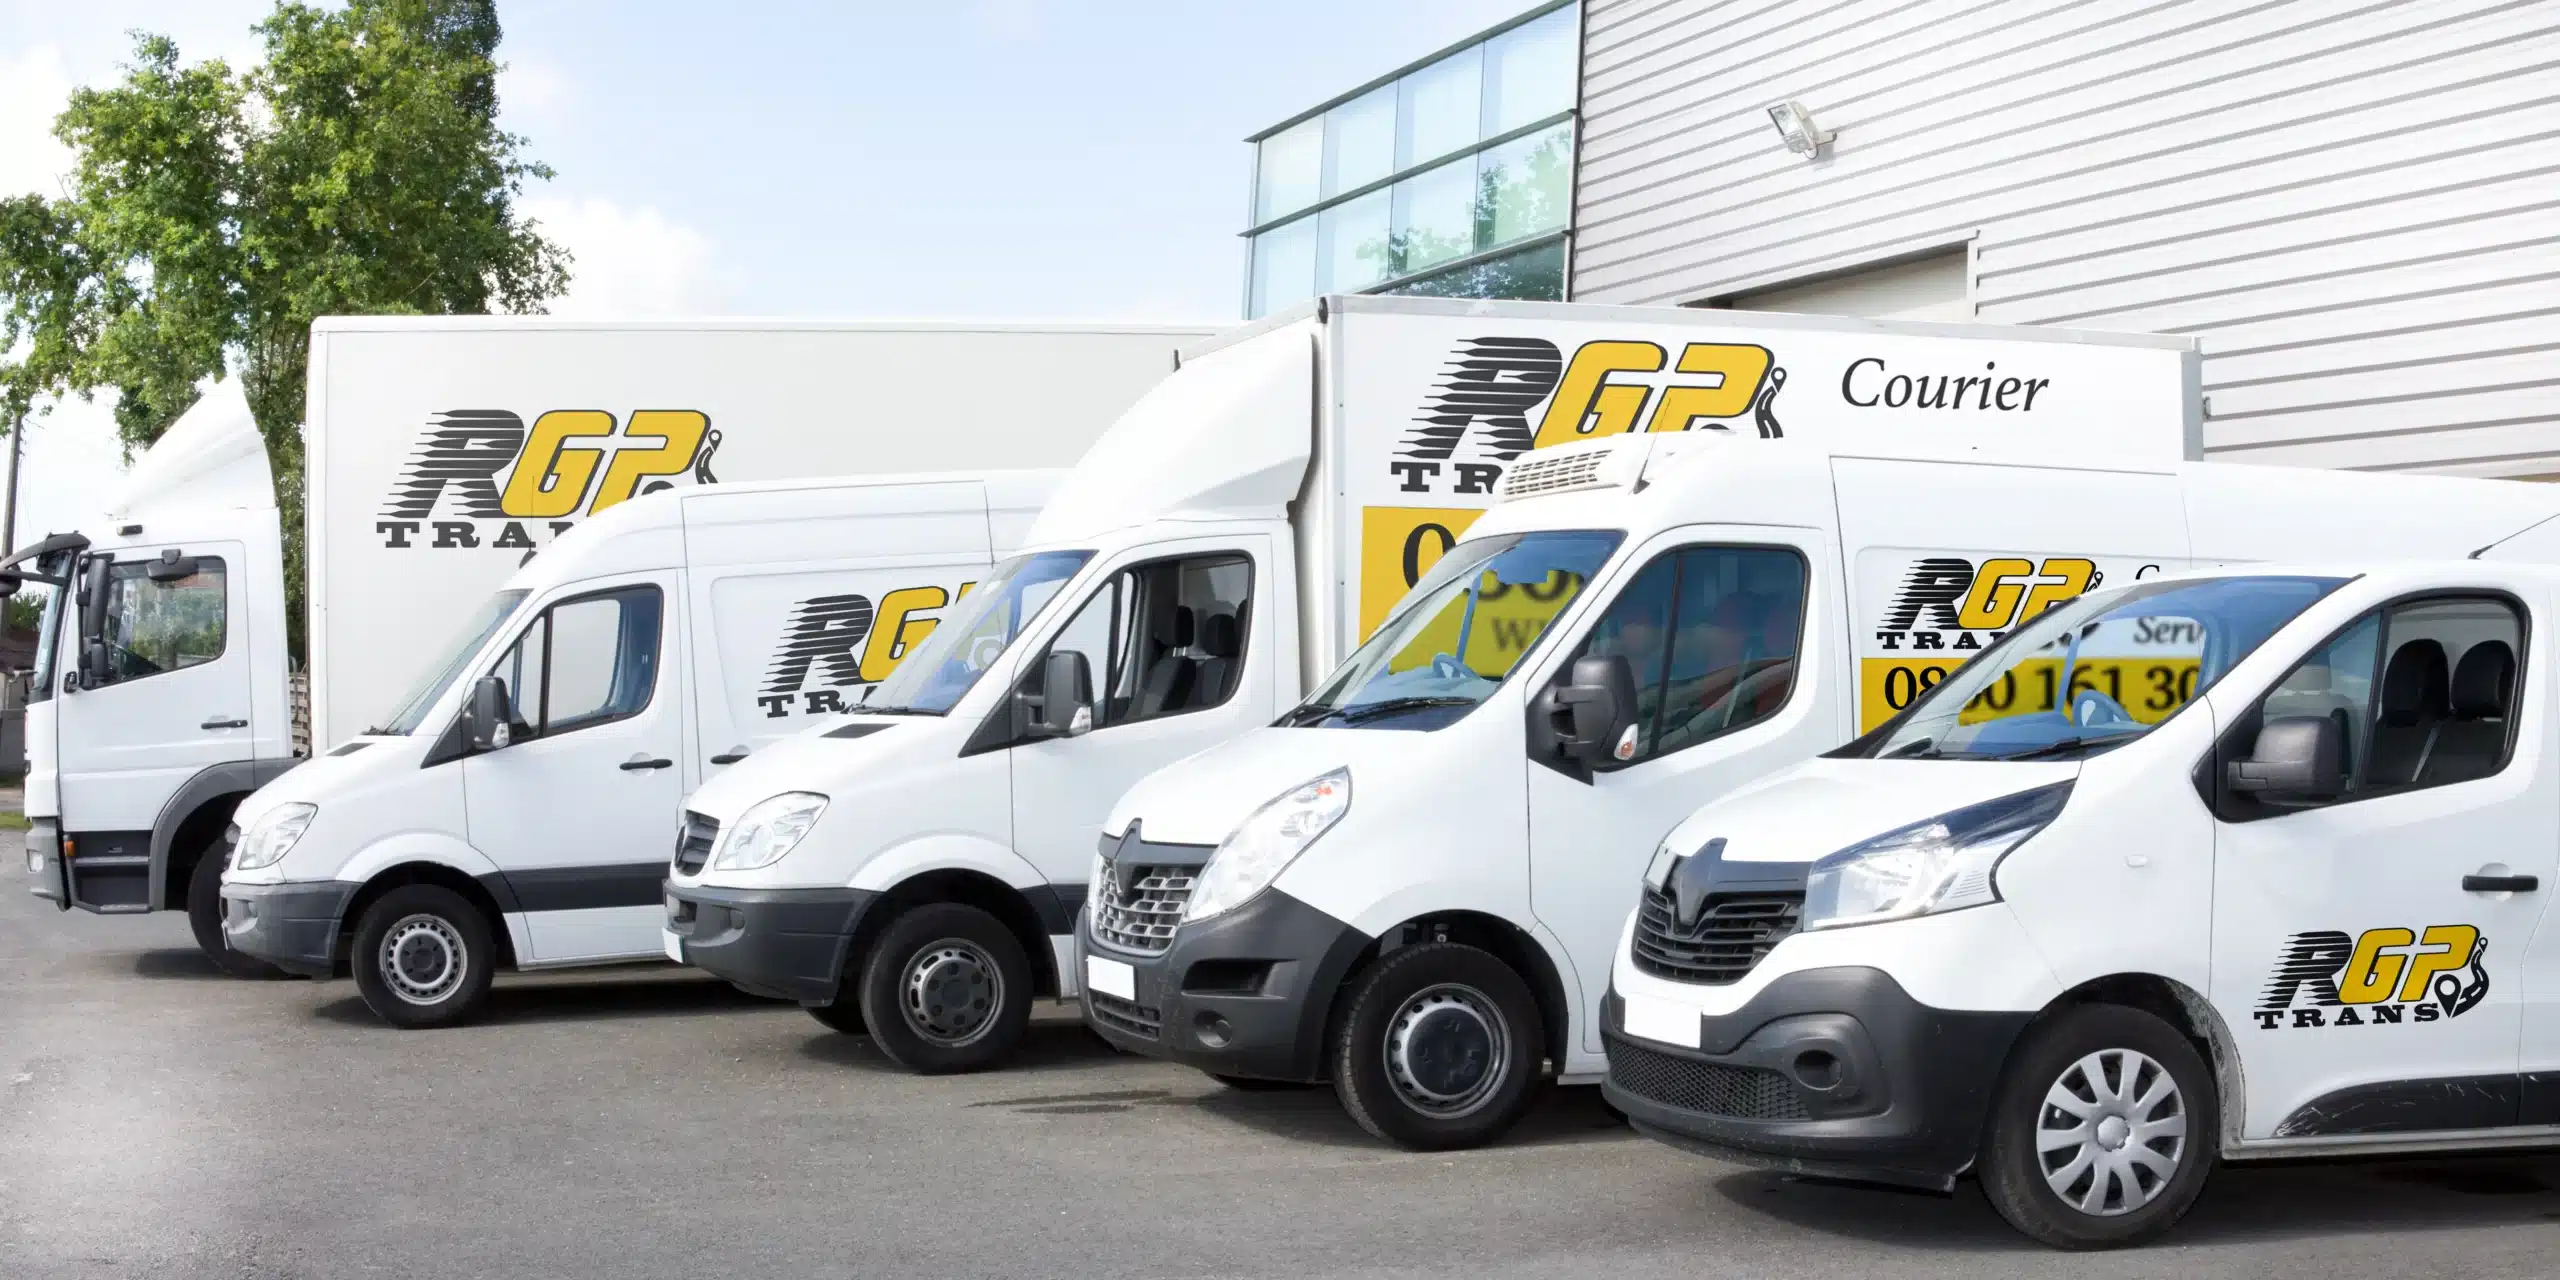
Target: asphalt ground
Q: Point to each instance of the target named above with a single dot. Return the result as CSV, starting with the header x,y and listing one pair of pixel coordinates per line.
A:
x,y
159,1120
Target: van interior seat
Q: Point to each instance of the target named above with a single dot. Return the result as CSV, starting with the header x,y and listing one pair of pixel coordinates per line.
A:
x,y
1221,641
2414,698
1170,676
2476,736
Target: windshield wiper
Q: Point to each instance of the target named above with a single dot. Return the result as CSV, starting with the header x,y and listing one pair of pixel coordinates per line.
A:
x,y
2068,745
866,709
377,731
1395,706
1919,749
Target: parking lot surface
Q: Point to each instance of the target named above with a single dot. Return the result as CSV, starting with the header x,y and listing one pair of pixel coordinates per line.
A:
x,y
158,1120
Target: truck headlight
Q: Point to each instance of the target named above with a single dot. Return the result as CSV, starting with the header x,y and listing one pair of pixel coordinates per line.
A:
x,y
1940,864
769,830
273,835
1263,845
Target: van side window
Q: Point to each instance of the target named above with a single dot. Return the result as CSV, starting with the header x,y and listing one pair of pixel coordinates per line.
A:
x,y
1711,634
1164,638
2425,691
586,661
155,627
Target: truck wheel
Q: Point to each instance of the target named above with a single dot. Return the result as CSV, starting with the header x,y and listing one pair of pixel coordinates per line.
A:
x,y
204,916
946,988
1439,1048
2102,1130
423,957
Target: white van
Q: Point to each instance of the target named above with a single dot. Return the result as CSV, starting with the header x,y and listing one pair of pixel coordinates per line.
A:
x,y
515,809
1412,884
1227,541
2085,952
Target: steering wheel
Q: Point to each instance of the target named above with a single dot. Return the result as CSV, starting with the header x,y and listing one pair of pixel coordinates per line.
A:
x,y
2091,709
1449,668
983,651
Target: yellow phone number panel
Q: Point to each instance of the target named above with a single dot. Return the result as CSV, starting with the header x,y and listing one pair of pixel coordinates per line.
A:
x,y
2148,688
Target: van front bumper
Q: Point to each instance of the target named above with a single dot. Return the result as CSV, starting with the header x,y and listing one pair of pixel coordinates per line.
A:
x,y
1246,993
293,926
788,944
1832,1072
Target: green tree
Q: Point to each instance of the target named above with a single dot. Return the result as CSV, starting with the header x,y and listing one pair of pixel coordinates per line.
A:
x,y
214,213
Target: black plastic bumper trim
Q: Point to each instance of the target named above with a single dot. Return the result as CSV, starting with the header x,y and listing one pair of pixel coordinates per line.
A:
x,y
1274,1033
785,943
293,926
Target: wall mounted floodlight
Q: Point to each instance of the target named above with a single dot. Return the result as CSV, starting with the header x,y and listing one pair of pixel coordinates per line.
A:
x,y
1802,135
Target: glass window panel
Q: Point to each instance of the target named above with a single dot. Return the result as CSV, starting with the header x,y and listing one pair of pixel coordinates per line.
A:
x,y
1733,658
1288,167
1528,72
1435,216
1357,252
1360,141
1440,107
1528,185
1533,275
152,627
1284,266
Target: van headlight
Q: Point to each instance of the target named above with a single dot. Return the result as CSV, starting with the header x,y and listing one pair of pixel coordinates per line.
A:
x,y
769,830
1940,864
273,835
1263,845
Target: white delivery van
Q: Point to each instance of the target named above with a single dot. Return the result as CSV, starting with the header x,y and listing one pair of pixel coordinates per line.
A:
x,y
440,452
1413,883
514,809
1223,544
2086,952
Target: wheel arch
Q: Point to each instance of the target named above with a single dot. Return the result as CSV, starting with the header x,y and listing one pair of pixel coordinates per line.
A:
x,y
1029,921
194,817
1505,940
2184,1008
442,875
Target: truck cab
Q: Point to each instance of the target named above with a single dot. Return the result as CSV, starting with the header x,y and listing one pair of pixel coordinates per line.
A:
x,y
2084,954
160,696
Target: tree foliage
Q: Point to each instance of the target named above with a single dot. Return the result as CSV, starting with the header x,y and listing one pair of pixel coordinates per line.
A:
x,y
214,213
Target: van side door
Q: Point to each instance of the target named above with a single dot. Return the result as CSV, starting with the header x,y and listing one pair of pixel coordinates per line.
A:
x,y
2368,948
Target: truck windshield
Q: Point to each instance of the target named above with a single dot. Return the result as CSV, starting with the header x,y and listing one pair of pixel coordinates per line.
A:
x,y
492,614
2094,673
1463,628
933,678
46,599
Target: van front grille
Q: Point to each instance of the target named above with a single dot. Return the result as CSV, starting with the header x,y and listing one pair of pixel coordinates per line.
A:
x,y
1704,1088
1143,917
693,843
1731,936
1136,1019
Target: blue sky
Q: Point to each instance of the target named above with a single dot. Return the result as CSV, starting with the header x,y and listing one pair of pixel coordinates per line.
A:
x,y
1061,159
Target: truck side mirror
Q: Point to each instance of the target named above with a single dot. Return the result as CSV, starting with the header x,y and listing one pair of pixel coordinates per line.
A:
x,y
1595,712
1063,705
2297,758
484,717
171,567
96,667
10,581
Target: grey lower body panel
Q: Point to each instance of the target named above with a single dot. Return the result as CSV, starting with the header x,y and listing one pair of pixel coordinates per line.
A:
x,y
46,876
292,926
786,943
1245,993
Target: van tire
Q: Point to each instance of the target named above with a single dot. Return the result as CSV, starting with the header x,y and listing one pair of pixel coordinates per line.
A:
x,y
1482,1048
946,989
448,953
204,916
2061,1054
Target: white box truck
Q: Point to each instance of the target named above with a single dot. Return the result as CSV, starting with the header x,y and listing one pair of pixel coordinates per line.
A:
x,y
1227,542
1412,885
441,452
513,809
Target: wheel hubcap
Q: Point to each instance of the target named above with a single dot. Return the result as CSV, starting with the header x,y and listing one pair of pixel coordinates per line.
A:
x,y
2111,1132
1446,1050
953,990
423,959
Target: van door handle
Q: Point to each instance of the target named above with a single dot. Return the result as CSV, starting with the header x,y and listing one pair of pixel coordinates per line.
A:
x,y
224,724
732,755
2501,884
642,760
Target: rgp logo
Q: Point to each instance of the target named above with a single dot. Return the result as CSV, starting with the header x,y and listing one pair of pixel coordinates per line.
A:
x,y
834,643
482,465
2325,978
1476,419
1946,596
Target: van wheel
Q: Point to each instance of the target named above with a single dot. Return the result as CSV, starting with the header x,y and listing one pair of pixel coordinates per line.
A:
x,y
2102,1131
946,988
204,916
1439,1048
423,957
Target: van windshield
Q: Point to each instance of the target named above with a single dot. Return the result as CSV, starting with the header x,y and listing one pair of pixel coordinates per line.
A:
x,y
1460,632
2094,673
491,615
933,677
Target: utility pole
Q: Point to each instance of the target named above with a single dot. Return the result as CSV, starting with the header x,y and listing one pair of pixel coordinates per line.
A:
x,y
9,518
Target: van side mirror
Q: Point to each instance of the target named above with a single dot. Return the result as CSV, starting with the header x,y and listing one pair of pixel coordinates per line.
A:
x,y
171,567
1595,712
484,717
1062,705
2297,758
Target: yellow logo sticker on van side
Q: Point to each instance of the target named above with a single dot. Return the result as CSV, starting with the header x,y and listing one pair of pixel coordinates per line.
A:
x,y
1397,546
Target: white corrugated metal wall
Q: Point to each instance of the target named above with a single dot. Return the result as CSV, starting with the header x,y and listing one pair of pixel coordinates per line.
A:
x,y
2354,204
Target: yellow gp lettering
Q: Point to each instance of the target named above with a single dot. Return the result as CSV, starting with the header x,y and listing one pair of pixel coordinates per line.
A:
x,y
550,479
897,630
2455,943
1737,369
1587,404
679,435
2373,970
2007,591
